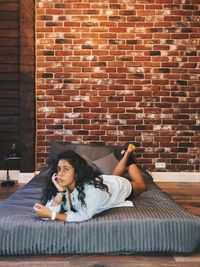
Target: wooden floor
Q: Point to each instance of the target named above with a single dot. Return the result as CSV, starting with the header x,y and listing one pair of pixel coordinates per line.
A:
x,y
186,194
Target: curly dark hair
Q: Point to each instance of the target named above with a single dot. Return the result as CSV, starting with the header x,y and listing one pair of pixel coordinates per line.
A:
x,y
85,174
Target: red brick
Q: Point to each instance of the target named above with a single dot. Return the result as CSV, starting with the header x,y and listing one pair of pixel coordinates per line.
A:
x,y
136,72
54,11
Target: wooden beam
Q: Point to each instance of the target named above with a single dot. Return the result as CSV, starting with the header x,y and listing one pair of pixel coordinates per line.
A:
x,y
27,86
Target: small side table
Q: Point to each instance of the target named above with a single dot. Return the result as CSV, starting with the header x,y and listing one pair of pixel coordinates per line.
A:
x,y
9,182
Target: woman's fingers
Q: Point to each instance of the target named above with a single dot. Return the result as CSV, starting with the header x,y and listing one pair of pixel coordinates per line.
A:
x,y
54,176
54,180
38,206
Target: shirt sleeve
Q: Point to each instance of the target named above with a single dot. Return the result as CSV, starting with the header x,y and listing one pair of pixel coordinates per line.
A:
x,y
53,208
94,198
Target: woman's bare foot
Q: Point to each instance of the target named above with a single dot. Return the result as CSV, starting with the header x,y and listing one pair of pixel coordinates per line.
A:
x,y
127,153
130,149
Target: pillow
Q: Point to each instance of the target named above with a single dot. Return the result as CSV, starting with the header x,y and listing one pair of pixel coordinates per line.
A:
x,y
107,164
90,163
93,152
56,149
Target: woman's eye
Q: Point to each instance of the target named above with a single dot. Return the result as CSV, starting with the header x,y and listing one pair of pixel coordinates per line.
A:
x,y
63,169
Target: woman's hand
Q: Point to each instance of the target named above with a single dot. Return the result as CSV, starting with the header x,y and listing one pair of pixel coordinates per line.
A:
x,y
54,180
42,211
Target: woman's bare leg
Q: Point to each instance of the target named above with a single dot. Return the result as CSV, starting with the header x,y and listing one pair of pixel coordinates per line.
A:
x,y
135,175
137,179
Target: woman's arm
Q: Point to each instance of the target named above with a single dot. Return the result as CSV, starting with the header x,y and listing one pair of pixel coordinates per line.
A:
x,y
52,206
56,200
45,212
94,198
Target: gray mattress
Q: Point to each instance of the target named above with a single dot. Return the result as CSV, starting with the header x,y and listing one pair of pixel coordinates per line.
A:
x,y
155,224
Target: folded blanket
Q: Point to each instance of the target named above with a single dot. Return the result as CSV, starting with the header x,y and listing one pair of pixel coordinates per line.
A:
x,y
126,203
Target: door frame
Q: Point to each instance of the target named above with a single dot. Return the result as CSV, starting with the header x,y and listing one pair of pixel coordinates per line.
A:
x,y
27,85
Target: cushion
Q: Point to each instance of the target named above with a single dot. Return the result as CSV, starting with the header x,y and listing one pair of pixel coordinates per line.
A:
x,y
107,164
90,163
56,149
93,152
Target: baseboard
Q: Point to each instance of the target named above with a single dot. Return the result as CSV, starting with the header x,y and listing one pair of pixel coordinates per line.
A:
x,y
178,177
18,176
26,177
14,174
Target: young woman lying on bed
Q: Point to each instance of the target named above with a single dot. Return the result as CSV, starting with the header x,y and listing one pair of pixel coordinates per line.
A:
x,y
75,192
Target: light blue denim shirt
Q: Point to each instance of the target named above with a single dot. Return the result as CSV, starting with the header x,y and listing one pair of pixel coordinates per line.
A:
x,y
96,200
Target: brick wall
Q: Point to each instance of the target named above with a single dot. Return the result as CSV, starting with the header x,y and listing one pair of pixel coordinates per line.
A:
x,y
112,72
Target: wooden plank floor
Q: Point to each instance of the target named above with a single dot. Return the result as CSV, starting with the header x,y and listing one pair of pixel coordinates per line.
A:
x,y
186,194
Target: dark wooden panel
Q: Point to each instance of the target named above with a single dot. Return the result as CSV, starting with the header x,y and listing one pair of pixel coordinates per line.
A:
x,y
8,33
9,120
9,68
5,50
8,15
8,103
9,76
27,86
9,5
9,41
4,94
17,88
10,1
13,128
9,59
9,137
10,85
9,111
7,24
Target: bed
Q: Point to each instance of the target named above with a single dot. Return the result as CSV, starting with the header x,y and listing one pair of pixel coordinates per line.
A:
x,y
154,224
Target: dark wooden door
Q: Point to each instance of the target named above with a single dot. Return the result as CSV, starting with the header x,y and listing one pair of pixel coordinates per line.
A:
x,y
9,76
17,103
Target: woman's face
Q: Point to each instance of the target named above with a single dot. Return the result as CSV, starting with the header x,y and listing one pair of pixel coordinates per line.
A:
x,y
66,174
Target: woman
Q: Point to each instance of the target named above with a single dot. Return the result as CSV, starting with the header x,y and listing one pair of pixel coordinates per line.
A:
x,y
74,191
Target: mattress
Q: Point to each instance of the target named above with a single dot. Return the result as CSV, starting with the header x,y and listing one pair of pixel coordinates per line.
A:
x,y
155,224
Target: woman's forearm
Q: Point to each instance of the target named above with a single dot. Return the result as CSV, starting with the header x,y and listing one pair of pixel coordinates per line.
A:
x,y
57,200
61,217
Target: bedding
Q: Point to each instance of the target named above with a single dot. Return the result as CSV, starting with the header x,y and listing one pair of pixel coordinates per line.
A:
x,y
154,224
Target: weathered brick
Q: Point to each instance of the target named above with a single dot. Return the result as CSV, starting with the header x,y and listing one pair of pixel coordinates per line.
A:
x,y
111,73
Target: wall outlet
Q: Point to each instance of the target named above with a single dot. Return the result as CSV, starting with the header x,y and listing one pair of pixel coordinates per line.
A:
x,y
160,165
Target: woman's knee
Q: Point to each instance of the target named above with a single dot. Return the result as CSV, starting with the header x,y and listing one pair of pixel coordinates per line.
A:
x,y
139,187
